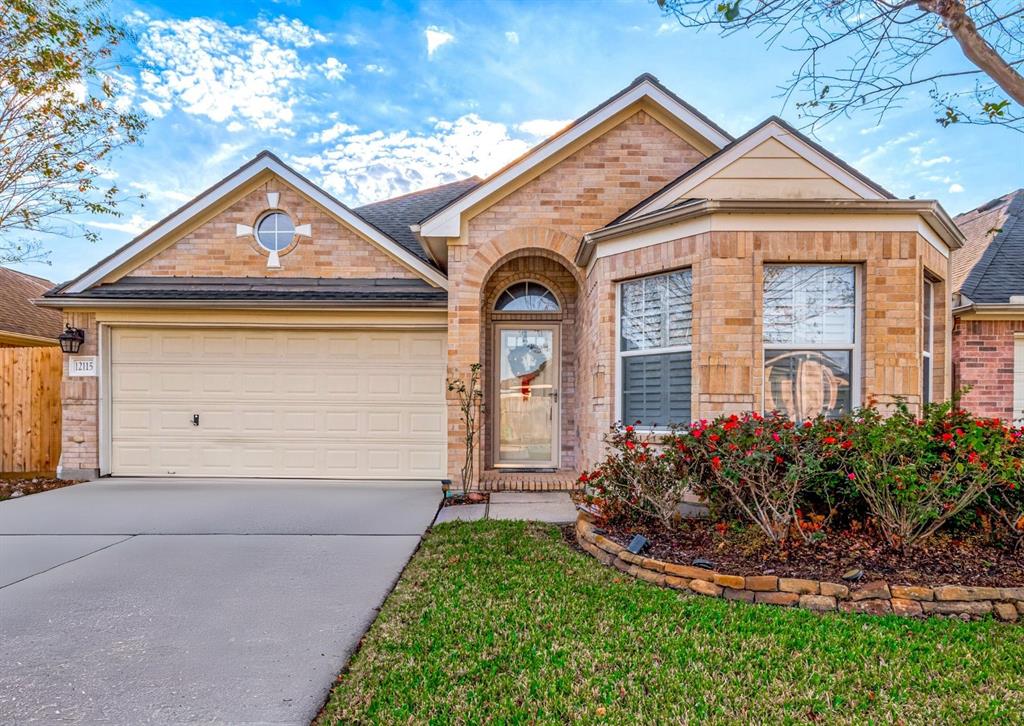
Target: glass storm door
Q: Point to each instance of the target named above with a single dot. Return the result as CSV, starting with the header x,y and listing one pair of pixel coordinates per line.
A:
x,y
527,376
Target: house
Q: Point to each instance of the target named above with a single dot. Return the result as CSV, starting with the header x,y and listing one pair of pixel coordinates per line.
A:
x,y
988,308
639,265
21,322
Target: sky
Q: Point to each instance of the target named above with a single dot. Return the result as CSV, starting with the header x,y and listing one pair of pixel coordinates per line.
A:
x,y
373,99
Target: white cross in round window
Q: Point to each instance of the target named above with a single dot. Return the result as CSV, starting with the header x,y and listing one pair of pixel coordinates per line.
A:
x,y
275,231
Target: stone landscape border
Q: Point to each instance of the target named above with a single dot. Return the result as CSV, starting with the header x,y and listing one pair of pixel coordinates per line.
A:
x,y
876,598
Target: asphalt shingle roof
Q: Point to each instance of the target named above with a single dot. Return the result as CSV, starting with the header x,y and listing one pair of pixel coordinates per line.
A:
x,y
293,289
393,216
990,267
18,314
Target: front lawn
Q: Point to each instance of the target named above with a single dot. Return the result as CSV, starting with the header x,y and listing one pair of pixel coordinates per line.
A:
x,y
498,622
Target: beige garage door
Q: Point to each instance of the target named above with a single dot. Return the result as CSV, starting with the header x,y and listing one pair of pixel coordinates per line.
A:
x,y
278,403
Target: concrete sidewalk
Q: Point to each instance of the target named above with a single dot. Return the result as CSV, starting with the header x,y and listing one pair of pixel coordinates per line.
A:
x,y
554,507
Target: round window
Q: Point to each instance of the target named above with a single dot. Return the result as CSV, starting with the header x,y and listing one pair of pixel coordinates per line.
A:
x,y
275,231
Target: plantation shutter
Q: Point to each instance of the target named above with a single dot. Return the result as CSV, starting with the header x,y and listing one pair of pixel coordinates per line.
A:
x,y
656,389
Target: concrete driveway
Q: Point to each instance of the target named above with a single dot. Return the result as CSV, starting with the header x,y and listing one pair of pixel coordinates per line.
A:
x,y
126,601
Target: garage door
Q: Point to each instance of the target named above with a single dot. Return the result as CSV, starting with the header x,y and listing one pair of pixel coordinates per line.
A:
x,y
278,403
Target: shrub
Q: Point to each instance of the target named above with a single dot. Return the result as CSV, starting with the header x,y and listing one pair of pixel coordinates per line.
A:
x,y
916,473
758,466
1006,500
636,476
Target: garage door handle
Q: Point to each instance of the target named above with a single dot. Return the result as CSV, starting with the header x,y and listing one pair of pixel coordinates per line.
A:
x,y
195,419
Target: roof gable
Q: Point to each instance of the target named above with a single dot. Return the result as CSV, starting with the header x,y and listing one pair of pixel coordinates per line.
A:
x,y
771,161
990,268
262,166
645,92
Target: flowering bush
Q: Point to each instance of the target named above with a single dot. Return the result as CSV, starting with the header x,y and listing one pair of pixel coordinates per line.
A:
x,y
639,477
916,473
759,466
905,475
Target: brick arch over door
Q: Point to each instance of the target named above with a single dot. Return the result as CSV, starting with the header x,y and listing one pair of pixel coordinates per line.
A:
x,y
470,270
551,272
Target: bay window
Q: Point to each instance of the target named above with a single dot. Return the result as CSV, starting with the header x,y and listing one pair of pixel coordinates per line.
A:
x,y
655,338
811,339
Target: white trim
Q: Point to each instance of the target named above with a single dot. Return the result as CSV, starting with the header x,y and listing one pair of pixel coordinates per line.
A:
x,y
1018,391
856,348
262,163
448,221
929,350
724,221
770,130
103,424
556,428
620,354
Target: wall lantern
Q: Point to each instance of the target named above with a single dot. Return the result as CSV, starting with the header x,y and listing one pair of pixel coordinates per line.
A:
x,y
71,339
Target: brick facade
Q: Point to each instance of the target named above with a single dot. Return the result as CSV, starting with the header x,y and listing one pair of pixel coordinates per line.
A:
x,y
80,446
546,218
213,249
983,353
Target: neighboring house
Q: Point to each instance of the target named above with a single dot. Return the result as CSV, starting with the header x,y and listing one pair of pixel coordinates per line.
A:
x,y
21,322
639,265
988,329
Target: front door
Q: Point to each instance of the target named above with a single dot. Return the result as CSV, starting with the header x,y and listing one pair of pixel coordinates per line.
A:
x,y
527,377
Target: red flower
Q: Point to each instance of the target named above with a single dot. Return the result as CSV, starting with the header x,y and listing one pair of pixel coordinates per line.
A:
x,y
776,437
630,445
972,457
629,429
846,445
714,437
947,436
716,462
829,440
779,459
851,476
807,424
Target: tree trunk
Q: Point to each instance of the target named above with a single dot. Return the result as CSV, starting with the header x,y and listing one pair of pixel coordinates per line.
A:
x,y
976,48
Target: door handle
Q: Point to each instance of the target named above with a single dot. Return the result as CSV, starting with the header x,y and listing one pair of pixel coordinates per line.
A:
x,y
555,394
195,419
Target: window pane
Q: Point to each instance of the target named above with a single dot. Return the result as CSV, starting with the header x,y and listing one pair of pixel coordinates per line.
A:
x,y
809,304
805,383
926,372
657,312
656,389
530,297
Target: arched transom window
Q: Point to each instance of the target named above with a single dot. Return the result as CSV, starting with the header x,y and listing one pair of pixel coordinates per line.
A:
x,y
526,297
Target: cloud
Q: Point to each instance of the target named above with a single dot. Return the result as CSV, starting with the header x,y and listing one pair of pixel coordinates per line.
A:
x,y
883,149
668,27
512,37
330,134
373,68
333,69
955,188
937,160
542,128
436,37
208,68
871,129
132,225
366,167
290,32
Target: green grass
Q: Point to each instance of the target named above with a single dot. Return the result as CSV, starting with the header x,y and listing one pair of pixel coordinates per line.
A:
x,y
501,622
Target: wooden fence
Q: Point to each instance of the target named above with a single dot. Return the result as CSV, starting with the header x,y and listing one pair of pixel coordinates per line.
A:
x,y
30,409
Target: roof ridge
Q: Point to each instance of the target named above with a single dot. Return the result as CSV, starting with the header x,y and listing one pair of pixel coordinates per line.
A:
x,y
1014,217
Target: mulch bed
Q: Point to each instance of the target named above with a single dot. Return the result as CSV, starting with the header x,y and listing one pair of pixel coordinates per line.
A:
x,y
471,498
939,560
14,488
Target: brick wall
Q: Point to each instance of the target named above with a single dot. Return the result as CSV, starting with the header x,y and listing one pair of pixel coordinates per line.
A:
x,y
547,217
983,360
213,250
80,457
